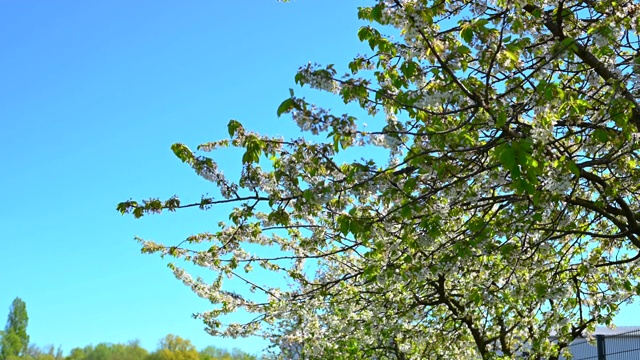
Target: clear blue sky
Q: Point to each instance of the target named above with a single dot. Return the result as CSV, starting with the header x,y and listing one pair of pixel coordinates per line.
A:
x,y
92,95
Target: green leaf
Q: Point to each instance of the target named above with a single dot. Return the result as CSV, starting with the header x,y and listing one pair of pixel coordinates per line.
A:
x,y
476,224
549,93
370,272
482,22
601,135
467,34
344,222
502,119
233,126
528,187
476,297
376,13
307,194
250,156
541,289
182,152
513,56
406,211
364,33
286,106
463,50
364,13
410,185
508,157
573,168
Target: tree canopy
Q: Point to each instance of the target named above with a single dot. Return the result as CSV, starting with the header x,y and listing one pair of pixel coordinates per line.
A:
x,y
171,347
14,340
503,219
175,348
14,345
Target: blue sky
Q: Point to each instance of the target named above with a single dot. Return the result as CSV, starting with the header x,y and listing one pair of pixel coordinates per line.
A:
x,y
92,95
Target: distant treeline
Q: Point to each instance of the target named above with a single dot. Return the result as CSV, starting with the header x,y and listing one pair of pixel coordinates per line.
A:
x,y
170,348
14,345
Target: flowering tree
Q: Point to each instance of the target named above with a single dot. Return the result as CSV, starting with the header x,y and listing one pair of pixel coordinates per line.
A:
x,y
504,222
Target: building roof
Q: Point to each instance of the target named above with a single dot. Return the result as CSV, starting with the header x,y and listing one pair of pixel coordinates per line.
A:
x,y
619,330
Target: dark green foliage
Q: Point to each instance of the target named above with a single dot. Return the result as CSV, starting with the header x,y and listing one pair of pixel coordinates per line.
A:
x,y
15,341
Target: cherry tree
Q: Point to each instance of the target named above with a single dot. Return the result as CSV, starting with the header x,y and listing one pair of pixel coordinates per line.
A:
x,y
503,222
